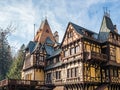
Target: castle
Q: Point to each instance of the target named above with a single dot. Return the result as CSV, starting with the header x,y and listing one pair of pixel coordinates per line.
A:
x,y
84,60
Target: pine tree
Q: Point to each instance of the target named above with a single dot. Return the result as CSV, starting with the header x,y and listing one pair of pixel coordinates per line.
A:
x,y
5,54
16,67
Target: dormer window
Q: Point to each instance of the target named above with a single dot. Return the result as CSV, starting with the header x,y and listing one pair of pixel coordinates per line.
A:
x,y
47,31
86,33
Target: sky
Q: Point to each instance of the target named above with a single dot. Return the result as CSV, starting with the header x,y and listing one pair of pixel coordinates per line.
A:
x,y
23,14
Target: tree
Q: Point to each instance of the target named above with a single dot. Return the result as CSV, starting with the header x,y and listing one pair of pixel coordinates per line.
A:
x,y
16,67
5,51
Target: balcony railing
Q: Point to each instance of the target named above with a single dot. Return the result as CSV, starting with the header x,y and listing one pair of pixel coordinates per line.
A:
x,y
20,82
75,79
115,80
95,56
92,79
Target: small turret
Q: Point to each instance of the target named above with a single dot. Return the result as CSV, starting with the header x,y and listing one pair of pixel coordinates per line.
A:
x,y
56,36
115,29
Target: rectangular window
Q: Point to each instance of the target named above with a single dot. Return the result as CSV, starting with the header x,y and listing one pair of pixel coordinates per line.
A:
x,y
72,51
115,72
48,78
77,49
107,72
58,74
42,58
65,53
76,71
72,72
67,73
70,34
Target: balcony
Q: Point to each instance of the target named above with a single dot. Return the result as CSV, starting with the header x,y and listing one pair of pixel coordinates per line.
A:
x,y
89,79
20,82
72,80
95,56
115,80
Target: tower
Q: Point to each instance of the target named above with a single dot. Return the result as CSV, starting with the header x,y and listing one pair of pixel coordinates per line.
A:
x,y
56,36
36,53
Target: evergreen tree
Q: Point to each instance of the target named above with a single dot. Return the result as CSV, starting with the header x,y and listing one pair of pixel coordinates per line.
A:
x,y
5,51
16,67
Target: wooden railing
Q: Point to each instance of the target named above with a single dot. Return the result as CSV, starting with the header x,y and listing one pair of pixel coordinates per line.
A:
x,y
75,79
92,79
4,82
105,79
95,56
98,56
58,82
20,82
115,79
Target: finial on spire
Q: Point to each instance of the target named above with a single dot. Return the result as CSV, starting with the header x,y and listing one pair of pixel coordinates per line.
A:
x,y
106,12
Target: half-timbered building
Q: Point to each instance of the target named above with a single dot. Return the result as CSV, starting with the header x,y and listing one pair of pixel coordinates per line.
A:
x,y
84,60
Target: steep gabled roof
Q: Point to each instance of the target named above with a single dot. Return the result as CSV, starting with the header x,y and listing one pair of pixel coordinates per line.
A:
x,y
80,30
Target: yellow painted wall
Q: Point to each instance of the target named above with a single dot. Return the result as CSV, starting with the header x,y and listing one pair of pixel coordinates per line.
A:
x,y
88,48
118,54
92,72
39,74
91,47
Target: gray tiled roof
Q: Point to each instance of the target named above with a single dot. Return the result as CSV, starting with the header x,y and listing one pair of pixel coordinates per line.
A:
x,y
109,23
49,49
53,65
56,52
80,30
31,46
49,41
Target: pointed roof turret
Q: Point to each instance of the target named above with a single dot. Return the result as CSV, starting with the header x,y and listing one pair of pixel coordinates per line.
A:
x,y
43,32
105,28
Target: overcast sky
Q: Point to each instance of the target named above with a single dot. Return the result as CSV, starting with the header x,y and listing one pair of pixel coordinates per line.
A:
x,y
23,14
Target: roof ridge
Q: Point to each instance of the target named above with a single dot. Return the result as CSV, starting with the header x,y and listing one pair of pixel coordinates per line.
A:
x,y
83,28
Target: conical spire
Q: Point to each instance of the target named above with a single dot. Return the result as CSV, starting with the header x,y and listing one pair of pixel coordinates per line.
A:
x,y
106,27
44,32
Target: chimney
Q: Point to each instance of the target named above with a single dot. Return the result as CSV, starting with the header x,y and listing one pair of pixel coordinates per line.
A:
x,y
115,29
56,36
